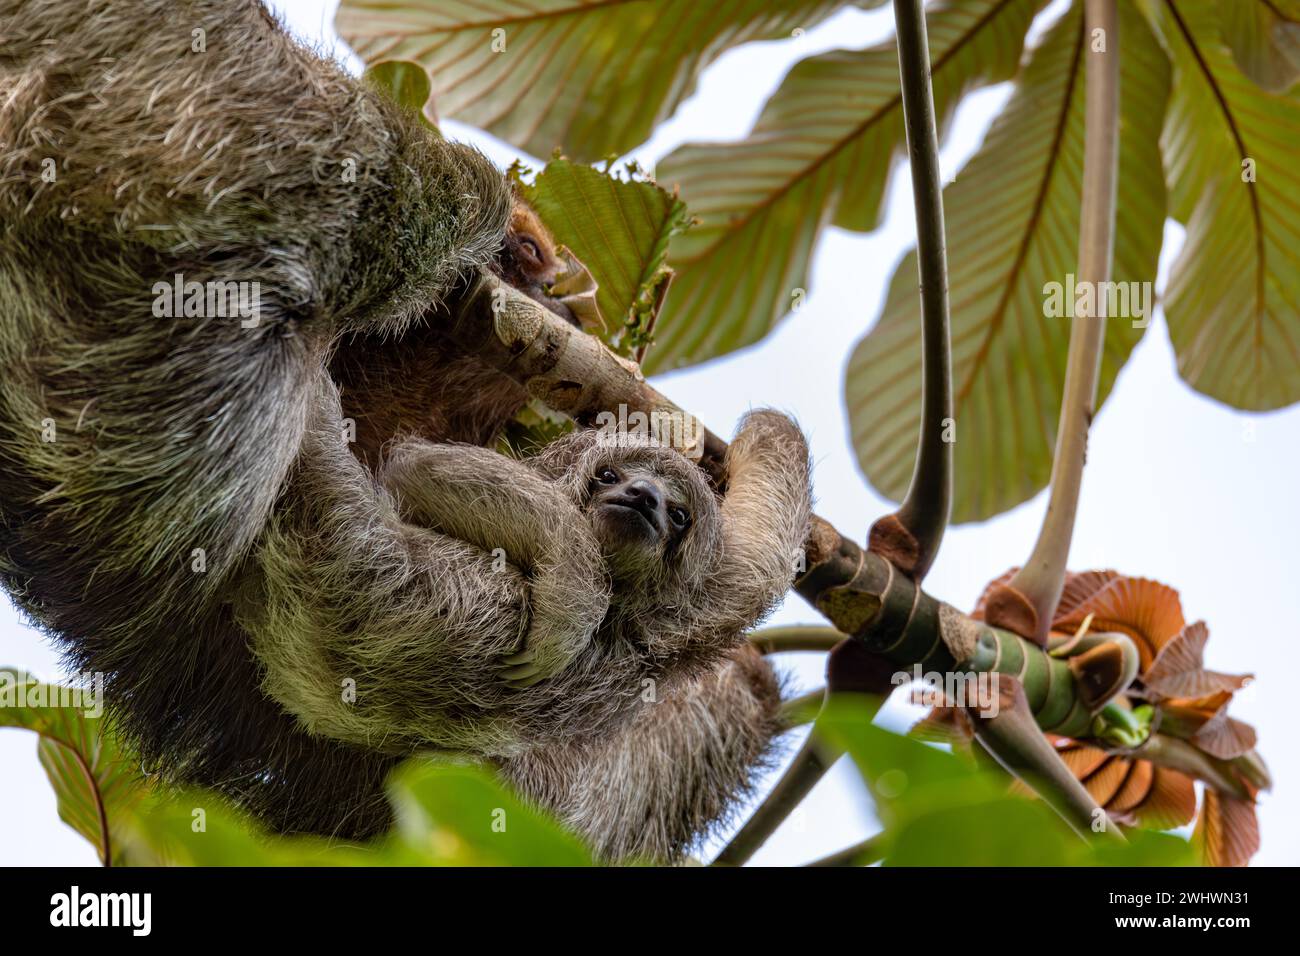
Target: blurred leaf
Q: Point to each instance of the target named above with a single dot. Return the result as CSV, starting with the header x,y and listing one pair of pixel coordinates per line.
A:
x,y
821,153
459,814
1006,832
406,83
1013,226
620,230
940,810
592,77
1233,300
449,814
1265,39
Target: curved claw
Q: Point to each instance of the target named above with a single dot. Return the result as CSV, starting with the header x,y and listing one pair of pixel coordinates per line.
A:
x,y
523,657
525,673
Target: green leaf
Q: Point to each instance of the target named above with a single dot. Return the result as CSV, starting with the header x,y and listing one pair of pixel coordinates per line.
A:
x,y
941,810
620,230
97,782
592,77
449,814
405,82
1265,39
821,153
459,815
1233,300
1012,227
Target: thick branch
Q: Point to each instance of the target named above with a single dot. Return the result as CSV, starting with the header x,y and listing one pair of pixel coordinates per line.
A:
x,y
1026,603
1014,739
910,537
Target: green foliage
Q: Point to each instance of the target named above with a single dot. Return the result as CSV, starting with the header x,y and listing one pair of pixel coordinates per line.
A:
x,y
821,153
98,782
939,809
1233,301
447,813
619,227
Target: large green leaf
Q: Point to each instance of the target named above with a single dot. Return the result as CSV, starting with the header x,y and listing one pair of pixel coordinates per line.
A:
x,y
1233,300
1013,226
459,815
821,152
97,782
592,77
619,229
1265,39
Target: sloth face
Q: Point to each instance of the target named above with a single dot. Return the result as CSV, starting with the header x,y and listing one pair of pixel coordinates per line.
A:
x,y
639,515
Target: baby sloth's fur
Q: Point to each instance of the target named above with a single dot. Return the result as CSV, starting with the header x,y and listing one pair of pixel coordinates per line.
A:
x,y
198,531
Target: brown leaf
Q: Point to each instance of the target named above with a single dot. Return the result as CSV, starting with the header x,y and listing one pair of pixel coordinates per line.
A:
x,y
1178,669
1227,832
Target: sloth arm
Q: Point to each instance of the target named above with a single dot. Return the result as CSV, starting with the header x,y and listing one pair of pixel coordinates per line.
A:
x,y
766,514
385,628
500,505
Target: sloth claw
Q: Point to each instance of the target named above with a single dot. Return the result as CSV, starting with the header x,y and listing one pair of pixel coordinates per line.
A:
x,y
525,673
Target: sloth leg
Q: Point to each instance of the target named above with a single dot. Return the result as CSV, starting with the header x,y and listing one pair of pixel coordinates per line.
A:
x,y
673,772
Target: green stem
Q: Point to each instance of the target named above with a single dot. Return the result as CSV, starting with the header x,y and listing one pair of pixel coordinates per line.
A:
x,y
1036,588
797,637
911,536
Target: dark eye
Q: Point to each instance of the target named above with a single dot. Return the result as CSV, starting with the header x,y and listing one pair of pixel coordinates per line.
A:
x,y
679,516
608,477
533,250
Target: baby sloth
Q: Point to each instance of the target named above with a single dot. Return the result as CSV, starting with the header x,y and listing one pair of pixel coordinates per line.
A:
x,y
584,631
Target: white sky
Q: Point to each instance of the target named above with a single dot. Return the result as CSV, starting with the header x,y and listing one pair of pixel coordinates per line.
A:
x,y
1179,488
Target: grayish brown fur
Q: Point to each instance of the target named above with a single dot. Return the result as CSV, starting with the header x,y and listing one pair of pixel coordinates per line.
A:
x,y
177,434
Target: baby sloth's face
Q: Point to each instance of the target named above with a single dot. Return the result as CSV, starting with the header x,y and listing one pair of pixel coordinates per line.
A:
x,y
639,516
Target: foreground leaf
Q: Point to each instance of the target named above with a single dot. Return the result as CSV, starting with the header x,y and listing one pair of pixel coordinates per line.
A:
x,y
97,782
942,810
1013,228
1233,301
821,153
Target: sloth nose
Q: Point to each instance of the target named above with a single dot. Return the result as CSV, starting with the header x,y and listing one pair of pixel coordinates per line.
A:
x,y
643,495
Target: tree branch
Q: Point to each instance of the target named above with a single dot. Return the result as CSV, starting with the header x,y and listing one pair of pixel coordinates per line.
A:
x,y
1026,603
910,537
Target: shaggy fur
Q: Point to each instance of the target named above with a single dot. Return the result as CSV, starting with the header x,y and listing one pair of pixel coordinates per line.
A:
x,y
198,532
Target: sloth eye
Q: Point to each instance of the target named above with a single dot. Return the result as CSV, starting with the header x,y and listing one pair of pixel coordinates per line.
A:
x,y
532,248
679,516
608,477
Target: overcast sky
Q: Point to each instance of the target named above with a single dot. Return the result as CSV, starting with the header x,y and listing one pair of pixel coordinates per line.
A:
x,y
1178,488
